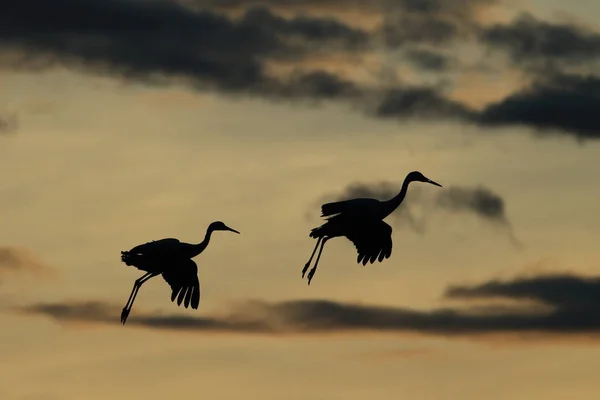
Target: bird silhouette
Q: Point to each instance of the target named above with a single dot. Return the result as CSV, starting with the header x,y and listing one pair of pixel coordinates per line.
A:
x,y
172,259
361,221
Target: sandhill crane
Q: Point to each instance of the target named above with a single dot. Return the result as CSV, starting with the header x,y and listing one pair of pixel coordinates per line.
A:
x,y
361,221
172,259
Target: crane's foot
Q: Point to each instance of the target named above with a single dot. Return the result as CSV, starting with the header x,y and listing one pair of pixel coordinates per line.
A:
x,y
305,268
124,315
311,273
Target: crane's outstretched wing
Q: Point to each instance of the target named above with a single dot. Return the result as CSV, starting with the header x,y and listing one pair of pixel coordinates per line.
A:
x,y
362,208
182,276
373,241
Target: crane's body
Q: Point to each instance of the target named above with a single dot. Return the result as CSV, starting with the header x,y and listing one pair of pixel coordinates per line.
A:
x,y
151,256
172,259
360,220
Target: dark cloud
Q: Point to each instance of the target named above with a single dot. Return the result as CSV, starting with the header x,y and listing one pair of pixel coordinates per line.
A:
x,y
428,60
436,22
403,21
295,4
151,41
565,304
561,291
402,30
563,103
311,29
207,48
478,201
143,39
532,41
420,102
461,8
316,85
146,40
99,312
557,101
571,300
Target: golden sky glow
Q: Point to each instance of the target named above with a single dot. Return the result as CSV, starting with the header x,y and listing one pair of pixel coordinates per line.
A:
x,y
101,163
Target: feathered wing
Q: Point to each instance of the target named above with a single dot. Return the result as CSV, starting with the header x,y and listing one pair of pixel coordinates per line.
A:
x,y
361,207
373,241
182,276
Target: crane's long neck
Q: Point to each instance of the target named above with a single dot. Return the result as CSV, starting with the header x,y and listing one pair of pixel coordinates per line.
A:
x,y
199,248
390,205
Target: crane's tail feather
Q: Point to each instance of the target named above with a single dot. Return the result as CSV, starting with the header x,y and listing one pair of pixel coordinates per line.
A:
x,y
131,259
318,232
328,209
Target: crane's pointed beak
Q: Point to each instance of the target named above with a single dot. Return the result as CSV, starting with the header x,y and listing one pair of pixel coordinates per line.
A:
x,y
433,183
232,230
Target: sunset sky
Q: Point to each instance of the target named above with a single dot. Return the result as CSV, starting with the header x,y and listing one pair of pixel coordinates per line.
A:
x,y
125,121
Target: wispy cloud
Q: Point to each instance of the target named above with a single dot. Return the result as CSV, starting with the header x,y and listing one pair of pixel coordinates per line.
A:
x,y
9,123
19,260
547,304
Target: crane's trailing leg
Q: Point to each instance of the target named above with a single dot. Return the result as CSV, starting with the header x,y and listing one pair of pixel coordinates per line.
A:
x,y
311,273
311,257
136,287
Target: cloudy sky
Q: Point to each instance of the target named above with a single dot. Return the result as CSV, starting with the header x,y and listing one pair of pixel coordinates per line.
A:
x,y
125,121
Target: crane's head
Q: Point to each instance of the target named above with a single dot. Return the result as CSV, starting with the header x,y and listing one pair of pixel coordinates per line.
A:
x,y
416,176
219,226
